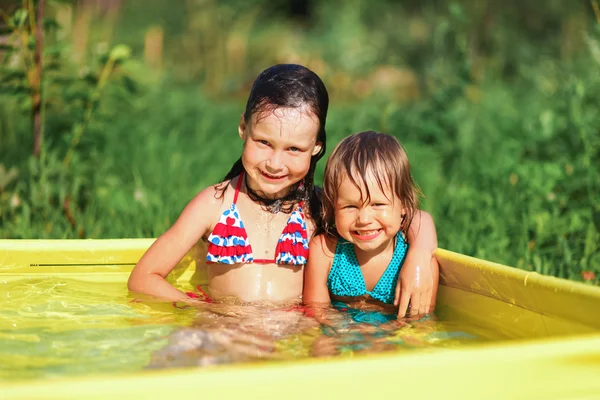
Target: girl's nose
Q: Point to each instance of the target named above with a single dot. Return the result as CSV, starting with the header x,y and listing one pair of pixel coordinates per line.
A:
x,y
274,162
365,216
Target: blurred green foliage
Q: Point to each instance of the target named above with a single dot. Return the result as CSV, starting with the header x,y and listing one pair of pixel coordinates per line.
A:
x,y
496,105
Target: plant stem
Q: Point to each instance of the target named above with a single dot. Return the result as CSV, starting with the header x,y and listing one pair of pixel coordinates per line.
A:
x,y
37,81
87,116
596,10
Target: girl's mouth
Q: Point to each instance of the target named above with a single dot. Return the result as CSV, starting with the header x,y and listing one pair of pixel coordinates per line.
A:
x,y
273,178
366,234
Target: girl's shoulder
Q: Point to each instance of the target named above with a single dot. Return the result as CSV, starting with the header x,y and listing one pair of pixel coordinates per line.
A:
x,y
199,215
324,244
211,199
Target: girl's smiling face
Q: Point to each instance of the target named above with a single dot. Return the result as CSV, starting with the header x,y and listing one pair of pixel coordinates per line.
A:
x,y
370,224
278,147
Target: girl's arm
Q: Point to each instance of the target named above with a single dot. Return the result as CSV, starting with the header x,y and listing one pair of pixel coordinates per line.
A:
x,y
149,274
316,271
316,294
417,282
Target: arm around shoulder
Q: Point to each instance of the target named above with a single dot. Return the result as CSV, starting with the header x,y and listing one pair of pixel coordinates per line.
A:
x,y
422,233
417,281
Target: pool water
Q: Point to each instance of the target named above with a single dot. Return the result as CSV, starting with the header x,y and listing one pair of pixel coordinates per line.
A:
x,y
55,327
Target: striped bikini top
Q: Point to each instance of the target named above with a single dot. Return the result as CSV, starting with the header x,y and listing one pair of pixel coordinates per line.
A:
x,y
228,243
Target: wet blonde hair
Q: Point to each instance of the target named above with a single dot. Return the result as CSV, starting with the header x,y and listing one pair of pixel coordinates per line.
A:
x,y
369,152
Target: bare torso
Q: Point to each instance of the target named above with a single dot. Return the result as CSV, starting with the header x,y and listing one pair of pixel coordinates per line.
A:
x,y
255,281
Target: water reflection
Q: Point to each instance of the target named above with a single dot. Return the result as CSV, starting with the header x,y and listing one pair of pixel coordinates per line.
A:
x,y
230,333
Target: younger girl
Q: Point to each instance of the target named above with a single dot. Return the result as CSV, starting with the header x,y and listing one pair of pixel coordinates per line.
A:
x,y
257,221
369,201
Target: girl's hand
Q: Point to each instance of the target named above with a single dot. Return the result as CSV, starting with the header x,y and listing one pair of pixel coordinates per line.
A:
x,y
417,282
414,291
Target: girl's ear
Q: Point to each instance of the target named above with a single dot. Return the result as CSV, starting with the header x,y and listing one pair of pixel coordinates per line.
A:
x,y
317,148
242,127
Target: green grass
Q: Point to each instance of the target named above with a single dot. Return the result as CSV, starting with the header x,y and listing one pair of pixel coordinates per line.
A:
x,y
508,162
507,179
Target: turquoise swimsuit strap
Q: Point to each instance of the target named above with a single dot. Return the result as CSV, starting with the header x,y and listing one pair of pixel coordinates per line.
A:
x,y
346,278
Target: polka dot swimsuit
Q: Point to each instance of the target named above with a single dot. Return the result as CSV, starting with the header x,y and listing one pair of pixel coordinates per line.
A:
x,y
346,279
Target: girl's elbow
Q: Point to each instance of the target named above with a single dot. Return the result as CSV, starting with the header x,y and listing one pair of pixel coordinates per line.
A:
x,y
132,284
135,283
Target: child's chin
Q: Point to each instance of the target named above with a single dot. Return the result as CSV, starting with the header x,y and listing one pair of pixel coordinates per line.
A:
x,y
366,246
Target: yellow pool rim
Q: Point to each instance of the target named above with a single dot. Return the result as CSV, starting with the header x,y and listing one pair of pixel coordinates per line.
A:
x,y
560,357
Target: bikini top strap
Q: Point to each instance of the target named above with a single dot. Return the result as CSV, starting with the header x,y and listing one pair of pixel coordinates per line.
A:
x,y
238,187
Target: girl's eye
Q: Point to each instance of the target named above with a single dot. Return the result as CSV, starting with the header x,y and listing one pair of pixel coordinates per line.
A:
x,y
348,207
379,205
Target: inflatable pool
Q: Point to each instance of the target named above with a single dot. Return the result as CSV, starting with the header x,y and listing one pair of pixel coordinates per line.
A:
x,y
550,326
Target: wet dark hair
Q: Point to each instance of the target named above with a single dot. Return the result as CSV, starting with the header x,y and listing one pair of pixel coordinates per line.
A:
x,y
288,86
358,156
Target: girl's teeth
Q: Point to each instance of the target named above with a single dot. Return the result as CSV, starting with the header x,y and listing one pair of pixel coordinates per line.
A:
x,y
367,233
